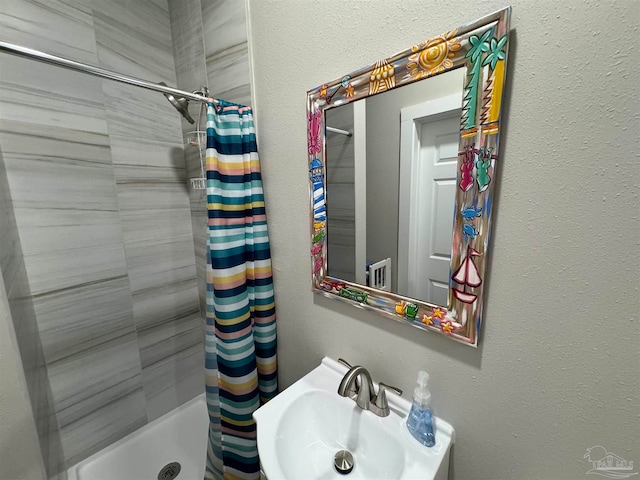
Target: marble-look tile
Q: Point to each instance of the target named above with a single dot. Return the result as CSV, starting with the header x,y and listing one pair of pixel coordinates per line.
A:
x,y
165,303
63,189
173,381
153,210
153,198
29,343
35,371
13,271
10,249
152,186
21,304
224,25
98,396
38,385
65,172
51,143
64,270
45,229
59,27
39,94
192,159
147,161
200,247
158,263
138,113
134,38
104,426
161,342
80,318
229,76
193,162
94,377
197,198
164,288
188,47
226,50
80,226
141,225
53,457
198,201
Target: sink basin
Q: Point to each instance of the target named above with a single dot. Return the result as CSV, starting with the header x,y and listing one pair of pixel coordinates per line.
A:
x,y
332,423
301,430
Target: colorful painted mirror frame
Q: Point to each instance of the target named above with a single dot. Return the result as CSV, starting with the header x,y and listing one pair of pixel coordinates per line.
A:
x,y
480,47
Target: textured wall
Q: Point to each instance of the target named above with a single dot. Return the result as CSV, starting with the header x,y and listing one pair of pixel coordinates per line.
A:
x,y
557,367
97,175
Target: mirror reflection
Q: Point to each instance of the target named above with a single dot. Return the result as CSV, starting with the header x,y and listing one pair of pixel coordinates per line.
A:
x,y
391,166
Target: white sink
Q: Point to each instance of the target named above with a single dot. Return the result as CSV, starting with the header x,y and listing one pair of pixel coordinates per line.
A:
x,y
301,430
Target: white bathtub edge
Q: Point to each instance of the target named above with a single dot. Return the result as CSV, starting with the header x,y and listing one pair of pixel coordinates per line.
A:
x,y
72,472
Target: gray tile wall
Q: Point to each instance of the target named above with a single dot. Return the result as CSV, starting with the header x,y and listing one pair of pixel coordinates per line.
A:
x,y
134,38
210,48
13,271
226,50
340,178
97,174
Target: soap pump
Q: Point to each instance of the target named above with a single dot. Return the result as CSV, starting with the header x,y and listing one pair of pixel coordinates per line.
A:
x,y
420,419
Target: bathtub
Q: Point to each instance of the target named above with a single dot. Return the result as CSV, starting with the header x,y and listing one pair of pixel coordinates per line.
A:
x,y
179,436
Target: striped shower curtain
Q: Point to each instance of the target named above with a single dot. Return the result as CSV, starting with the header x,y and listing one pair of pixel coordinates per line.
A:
x,y
240,348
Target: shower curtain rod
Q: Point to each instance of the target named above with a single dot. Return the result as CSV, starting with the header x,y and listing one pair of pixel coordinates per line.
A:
x,y
93,70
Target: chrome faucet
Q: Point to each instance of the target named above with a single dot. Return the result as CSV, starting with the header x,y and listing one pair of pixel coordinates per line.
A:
x,y
363,394
358,386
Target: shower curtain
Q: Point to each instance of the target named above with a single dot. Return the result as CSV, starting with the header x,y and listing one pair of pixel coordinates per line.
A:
x,y
240,346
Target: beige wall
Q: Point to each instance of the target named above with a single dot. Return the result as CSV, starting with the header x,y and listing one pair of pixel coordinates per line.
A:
x,y
19,450
557,367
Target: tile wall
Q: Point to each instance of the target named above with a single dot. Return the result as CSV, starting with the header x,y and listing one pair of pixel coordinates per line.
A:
x,y
341,182
96,171
210,48
13,271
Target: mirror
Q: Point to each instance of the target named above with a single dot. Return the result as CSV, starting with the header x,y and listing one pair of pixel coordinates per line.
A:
x,y
402,158
375,229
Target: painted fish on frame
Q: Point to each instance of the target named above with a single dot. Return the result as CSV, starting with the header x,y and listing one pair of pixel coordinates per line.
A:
x,y
469,213
469,231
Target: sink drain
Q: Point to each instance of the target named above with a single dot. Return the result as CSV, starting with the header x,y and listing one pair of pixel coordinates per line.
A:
x,y
169,471
343,461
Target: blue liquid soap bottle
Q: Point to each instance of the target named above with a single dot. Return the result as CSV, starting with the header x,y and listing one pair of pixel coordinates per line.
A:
x,y
420,419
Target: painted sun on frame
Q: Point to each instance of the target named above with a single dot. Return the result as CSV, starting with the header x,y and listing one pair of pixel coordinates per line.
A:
x,y
433,56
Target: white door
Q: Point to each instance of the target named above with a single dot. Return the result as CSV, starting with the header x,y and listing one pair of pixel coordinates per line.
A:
x,y
433,203
430,132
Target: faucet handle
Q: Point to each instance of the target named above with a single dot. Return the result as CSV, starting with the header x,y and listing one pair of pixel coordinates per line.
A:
x,y
383,386
344,362
380,403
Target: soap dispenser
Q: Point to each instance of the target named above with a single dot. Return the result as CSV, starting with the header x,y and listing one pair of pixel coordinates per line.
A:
x,y
420,419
